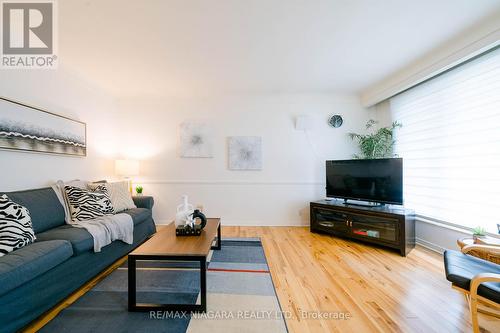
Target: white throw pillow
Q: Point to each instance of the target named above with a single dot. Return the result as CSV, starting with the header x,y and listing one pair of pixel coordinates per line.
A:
x,y
87,205
119,195
16,229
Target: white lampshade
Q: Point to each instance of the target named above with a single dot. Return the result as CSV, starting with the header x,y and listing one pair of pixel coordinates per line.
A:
x,y
127,168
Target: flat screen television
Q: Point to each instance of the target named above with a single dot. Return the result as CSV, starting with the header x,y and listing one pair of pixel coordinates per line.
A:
x,y
374,180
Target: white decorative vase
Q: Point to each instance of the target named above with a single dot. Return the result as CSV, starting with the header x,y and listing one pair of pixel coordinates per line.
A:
x,y
184,211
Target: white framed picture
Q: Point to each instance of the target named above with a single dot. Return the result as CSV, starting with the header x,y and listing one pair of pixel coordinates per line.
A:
x,y
196,139
245,153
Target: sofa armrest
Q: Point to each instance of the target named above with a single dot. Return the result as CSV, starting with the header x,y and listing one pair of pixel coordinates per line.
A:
x,y
143,201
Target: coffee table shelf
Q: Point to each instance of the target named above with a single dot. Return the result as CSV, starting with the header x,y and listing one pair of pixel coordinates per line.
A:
x,y
165,245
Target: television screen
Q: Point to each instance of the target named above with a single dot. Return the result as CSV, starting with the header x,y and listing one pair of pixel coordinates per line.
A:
x,y
377,180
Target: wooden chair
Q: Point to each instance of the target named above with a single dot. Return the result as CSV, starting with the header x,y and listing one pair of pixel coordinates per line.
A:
x,y
477,279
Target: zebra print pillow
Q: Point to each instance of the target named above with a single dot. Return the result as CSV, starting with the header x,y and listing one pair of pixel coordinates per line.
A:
x,y
16,229
87,205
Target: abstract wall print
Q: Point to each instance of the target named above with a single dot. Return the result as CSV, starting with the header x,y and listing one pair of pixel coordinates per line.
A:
x,y
245,153
196,139
27,128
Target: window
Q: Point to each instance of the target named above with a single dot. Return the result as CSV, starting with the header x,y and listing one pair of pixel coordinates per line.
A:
x,y
450,142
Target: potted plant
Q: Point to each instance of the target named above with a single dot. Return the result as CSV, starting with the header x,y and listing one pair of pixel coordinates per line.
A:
x,y
138,190
377,144
478,232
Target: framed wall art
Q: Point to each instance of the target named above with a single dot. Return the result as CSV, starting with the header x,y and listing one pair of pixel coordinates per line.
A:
x,y
245,153
196,139
27,128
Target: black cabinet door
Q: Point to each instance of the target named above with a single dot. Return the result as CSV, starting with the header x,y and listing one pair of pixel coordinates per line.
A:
x,y
384,229
385,226
328,220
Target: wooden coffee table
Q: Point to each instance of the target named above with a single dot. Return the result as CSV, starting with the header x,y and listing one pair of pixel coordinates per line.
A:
x,y
165,245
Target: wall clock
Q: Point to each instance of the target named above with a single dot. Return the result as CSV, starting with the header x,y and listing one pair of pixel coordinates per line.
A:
x,y
335,121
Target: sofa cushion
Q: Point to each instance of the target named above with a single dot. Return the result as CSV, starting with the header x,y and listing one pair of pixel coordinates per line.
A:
x,y
461,268
81,240
45,209
138,215
27,263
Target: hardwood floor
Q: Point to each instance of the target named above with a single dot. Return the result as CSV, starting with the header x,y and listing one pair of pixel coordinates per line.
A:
x,y
382,291
322,275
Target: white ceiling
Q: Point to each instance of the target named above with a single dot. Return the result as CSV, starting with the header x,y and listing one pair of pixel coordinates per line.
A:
x,y
186,47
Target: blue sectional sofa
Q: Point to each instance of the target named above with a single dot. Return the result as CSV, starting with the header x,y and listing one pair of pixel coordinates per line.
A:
x,y
36,277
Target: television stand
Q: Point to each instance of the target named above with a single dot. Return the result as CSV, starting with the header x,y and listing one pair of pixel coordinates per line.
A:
x,y
368,204
389,226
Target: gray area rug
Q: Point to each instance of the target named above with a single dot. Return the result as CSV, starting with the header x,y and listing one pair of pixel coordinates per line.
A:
x,y
240,298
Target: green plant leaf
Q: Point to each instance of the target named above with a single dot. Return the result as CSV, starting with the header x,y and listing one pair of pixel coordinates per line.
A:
x,y
378,144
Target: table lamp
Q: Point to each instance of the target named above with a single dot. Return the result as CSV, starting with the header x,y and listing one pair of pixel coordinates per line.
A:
x,y
127,169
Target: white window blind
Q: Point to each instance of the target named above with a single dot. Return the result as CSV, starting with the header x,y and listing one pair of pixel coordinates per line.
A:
x,y
450,143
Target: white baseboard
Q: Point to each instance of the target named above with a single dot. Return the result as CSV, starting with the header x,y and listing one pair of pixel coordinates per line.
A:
x,y
228,182
430,246
422,242
264,225
244,224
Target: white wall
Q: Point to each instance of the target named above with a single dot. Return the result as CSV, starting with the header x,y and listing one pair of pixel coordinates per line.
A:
x,y
147,129
58,91
292,174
